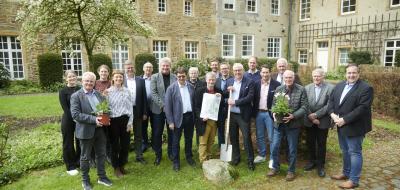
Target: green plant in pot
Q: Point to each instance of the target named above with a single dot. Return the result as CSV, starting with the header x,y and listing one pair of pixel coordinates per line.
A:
x,y
103,111
281,107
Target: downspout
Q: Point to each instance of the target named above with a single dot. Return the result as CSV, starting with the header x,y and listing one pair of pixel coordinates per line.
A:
x,y
290,29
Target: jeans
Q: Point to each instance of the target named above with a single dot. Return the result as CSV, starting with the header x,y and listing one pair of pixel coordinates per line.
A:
x,y
159,123
292,135
187,127
352,155
264,121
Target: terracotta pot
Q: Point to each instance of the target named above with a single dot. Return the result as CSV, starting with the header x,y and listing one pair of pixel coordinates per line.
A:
x,y
105,119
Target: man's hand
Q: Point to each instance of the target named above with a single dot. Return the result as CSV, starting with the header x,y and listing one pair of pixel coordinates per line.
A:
x,y
98,121
288,118
230,88
231,102
205,119
334,117
171,126
218,94
312,116
340,122
144,117
316,122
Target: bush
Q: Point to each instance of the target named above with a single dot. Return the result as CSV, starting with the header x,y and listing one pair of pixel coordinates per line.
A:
x,y
23,87
4,132
360,57
4,76
260,61
397,60
54,87
141,59
100,59
187,63
50,69
338,74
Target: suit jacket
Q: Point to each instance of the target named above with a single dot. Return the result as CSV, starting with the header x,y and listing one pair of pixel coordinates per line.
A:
x,y
319,106
81,112
298,103
271,91
141,97
246,96
173,104
158,91
355,108
218,82
198,101
296,78
224,112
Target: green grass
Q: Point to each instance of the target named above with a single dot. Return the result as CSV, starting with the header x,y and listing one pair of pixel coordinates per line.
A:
x,y
30,106
389,125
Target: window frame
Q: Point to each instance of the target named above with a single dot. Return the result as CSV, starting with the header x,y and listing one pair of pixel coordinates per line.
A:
x,y
233,45
74,52
304,8
17,74
193,55
159,54
120,52
272,9
190,8
229,2
300,58
340,58
255,6
349,12
251,47
394,49
391,4
274,47
160,7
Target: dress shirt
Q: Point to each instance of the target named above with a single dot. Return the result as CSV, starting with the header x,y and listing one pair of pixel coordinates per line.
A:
x,y
120,101
147,81
279,78
346,89
235,94
223,83
93,101
317,89
131,84
185,95
264,95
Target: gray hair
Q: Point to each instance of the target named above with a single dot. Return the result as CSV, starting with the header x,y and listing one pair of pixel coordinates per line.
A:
x,y
68,72
88,74
237,65
318,71
210,74
147,64
128,62
282,60
165,60
193,69
288,72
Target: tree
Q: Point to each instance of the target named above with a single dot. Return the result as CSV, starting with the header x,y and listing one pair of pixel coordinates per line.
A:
x,y
93,22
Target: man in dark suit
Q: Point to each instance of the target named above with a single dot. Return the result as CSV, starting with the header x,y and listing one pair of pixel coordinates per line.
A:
x,y
317,120
138,88
350,109
263,95
241,101
89,129
281,66
147,72
179,112
221,84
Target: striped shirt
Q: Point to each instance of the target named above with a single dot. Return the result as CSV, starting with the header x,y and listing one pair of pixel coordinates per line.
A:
x,y
121,102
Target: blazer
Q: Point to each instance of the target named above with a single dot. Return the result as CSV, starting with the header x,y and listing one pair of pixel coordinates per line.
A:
x,y
246,96
319,106
198,101
355,108
141,97
273,84
298,103
158,91
81,112
173,104
296,78
218,82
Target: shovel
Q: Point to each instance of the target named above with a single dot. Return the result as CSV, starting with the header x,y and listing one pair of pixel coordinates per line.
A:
x,y
226,149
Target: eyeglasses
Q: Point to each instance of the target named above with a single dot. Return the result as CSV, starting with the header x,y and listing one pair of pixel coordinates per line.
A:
x,y
181,76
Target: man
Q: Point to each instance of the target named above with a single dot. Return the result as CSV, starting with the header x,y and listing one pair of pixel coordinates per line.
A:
x,y
147,72
221,84
194,78
180,117
89,129
317,121
263,95
205,127
253,73
350,109
138,88
241,101
159,84
291,125
281,65
214,67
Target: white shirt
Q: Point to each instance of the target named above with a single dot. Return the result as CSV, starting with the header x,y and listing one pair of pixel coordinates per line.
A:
x,y
131,84
264,95
279,78
185,95
317,91
235,94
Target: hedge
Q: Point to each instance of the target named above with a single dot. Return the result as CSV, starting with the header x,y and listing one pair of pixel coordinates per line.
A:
x,y
101,59
143,58
360,57
397,59
187,63
50,69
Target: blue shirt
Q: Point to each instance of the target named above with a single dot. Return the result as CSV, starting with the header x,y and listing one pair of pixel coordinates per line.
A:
x,y
253,76
346,89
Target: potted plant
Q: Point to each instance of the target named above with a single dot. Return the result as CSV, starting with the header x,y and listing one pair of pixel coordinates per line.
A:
x,y
281,107
103,111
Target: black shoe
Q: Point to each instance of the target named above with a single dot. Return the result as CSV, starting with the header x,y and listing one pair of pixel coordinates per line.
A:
x,y
157,161
104,181
141,160
235,162
251,166
86,185
191,162
321,172
176,167
170,157
309,166
144,148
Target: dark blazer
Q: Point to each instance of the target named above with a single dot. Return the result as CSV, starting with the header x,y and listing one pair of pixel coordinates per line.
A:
x,y
198,101
273,84
173,104
296,78
246,97
141,97
218,82
158,91
81,112
355,108
319,106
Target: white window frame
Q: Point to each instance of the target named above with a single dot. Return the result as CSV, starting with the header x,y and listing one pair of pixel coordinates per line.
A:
x,y
232,47
160,49
303,56
192,50
14,57
345,60
394,49
391,4
303,10
120,53
342,7
162,6
255,6
279,7
249,48
73,54
224,2
275,40
188,7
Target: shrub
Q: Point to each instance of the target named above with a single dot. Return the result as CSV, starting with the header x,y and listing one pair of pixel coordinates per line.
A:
x,y
50,69
260,61
54,87
338,74
4,76
360,57
4,132
187,63
267,61
141,59
23,87
397,60
100,59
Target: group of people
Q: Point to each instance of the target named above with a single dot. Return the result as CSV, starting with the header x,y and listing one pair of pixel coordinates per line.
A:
x,y
175,101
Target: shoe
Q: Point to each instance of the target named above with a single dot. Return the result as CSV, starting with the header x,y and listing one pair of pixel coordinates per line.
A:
x,y
73,172
259,159
86,185
290,176
235,162
157,161
348,185
191,162
176,167
123,171
141,160
339,177
270,164
251,166
309,166
272,173
118,173
321,172
104,181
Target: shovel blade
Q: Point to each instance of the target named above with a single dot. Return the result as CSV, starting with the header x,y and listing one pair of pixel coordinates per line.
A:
x,y
226,153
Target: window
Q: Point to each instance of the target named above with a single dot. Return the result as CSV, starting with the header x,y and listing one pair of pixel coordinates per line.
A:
x,y
228,45
251,6
229,5
119,55
391,47
303,56
160,49
11,56
343,56
348,6
162,6
247,46
187,8
305,6
72,57
274,47
191,50
275,7
395,3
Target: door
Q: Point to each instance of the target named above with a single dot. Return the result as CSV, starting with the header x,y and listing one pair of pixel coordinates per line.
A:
x,y
322,55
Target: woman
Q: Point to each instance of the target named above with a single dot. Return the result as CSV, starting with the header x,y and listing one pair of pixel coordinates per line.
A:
x,y
104,82
121,104
71,154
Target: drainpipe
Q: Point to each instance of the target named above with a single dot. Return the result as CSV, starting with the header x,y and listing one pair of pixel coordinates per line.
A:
x,y
290,29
